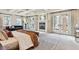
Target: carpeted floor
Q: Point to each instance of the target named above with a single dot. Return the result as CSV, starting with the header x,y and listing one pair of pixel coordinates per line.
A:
x,y
50,41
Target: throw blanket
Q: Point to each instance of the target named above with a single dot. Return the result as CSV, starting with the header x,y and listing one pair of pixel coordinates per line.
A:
x,y
24,40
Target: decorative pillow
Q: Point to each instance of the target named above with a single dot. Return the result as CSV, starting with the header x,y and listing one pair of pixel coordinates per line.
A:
x,y
9,33
5,35
2,38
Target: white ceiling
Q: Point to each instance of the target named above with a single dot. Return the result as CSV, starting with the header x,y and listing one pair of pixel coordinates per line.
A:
x,y
27,12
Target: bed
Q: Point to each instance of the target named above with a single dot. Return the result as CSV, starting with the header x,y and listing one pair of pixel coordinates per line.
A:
x,y
21,40
34,36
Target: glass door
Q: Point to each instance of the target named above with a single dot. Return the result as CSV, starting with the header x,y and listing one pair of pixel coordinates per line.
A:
x,y
56,24
62,24
66,24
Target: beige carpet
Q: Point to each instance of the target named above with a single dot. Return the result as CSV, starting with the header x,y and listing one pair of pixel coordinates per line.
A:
x,y
50,41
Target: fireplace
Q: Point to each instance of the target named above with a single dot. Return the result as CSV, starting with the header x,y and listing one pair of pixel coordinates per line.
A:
x,y
42,25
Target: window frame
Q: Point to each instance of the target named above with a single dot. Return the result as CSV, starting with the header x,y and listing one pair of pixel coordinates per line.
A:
x,y
20,20
4,20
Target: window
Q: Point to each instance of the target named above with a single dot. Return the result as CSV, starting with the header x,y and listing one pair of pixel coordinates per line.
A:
x,y
18,20
32,23
7,20
42,18
56,22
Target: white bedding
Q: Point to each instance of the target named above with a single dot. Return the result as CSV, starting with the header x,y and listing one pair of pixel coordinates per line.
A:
x,y
24,40
9,44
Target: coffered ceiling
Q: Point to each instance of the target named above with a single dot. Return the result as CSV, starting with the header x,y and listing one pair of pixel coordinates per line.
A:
x,y
27,12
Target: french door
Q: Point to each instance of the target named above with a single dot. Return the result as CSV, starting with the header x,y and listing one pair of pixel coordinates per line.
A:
x,y
62,24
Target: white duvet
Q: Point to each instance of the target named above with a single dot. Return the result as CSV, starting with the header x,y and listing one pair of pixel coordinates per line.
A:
x,y
21,40
24,40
